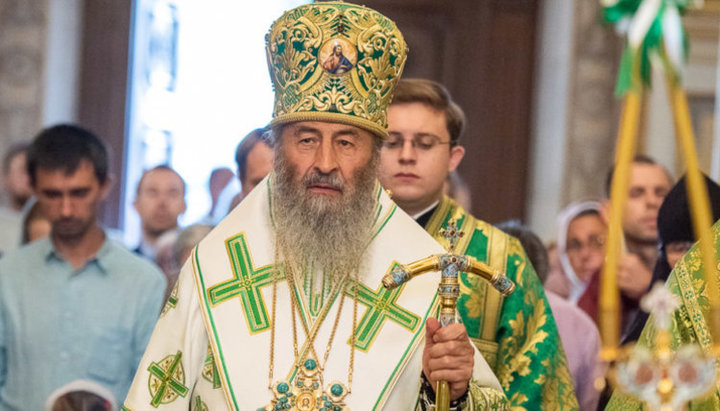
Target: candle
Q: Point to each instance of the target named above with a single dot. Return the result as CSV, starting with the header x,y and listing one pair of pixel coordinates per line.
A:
x,y
609,295
699,202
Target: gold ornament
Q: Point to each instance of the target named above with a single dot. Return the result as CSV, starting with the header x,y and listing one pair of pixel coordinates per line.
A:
x,y
336,62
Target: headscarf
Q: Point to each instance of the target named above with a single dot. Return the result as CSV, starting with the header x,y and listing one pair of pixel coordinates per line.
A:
x,y
577,286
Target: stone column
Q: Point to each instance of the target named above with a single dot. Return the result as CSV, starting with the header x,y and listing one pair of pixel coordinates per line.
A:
x,y
594,110
576,112
23,26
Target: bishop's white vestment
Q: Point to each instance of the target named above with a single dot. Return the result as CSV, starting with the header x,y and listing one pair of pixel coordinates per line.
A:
x,y
211,347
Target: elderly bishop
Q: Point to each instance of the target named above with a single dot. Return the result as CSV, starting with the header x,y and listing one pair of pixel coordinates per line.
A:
x,y
281,306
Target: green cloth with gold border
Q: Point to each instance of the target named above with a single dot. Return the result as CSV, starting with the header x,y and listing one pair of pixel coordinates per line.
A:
x,y
517,334
688,323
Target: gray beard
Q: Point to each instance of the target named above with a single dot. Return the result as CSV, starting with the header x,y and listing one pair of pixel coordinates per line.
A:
x,y
321,232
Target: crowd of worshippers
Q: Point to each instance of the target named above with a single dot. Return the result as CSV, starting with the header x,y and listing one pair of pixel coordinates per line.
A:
x,y
59,266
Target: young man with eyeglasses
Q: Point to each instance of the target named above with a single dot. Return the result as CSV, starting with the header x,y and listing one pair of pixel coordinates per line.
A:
x,y
517,335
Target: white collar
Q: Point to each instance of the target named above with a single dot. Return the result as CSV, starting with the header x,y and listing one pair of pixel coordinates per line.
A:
x,y
425,210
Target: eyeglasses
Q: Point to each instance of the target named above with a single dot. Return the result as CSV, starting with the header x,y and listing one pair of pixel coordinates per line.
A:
x,y
678,247
423,142
595,242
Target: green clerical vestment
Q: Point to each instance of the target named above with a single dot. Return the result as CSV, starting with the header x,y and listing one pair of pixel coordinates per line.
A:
x,y
688,324
517,335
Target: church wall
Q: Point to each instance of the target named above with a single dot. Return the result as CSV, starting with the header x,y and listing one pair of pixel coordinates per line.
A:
x,y
700,81
39,46
102,96
541,130
576,112
62,61
63,49
580,128
483,52
23,56
549,122
593,117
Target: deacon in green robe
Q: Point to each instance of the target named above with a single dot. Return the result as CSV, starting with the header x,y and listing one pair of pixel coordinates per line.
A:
x,y
689,323
517,335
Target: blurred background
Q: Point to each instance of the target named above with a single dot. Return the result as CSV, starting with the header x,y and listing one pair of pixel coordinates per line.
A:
x,y
180,82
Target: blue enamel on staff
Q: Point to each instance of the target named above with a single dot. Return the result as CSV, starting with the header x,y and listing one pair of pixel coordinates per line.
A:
x,y
450,265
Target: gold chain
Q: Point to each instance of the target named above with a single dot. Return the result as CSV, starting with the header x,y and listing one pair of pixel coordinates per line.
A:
x,y
294,330
310,336
271,367
332,333
353,336
295,307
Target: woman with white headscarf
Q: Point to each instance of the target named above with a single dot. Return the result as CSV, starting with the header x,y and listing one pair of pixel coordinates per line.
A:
x,y
580,249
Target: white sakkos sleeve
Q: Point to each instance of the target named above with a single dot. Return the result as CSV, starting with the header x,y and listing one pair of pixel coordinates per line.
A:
x,y
178,370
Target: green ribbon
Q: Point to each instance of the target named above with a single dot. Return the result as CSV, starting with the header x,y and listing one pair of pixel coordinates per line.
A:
x,y
652,43
621,9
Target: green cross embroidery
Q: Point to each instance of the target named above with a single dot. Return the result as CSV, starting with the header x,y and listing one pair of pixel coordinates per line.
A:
x,y
246,285
199,404
210,370
171,301
167,380
382,306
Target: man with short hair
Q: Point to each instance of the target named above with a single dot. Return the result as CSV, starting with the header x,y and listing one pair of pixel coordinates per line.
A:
x,y
75,305
282,305
159,201
254,159
516,334
649,184
676,236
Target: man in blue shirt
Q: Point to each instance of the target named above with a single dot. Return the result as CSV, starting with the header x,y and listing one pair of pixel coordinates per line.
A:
x,y
76,305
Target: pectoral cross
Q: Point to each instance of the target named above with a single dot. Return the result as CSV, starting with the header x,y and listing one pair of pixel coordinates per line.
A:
x,y
451,234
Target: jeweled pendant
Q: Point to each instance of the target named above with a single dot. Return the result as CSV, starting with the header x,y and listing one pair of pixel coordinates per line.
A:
x,y
306,392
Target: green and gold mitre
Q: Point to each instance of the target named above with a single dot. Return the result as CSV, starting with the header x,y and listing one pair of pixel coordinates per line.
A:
x,y
335,61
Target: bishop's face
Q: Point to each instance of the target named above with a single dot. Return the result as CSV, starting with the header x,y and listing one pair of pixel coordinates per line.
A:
x,y
323,198
325,159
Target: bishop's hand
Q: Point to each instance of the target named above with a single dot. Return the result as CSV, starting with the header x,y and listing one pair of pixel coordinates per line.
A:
x,y
448,356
